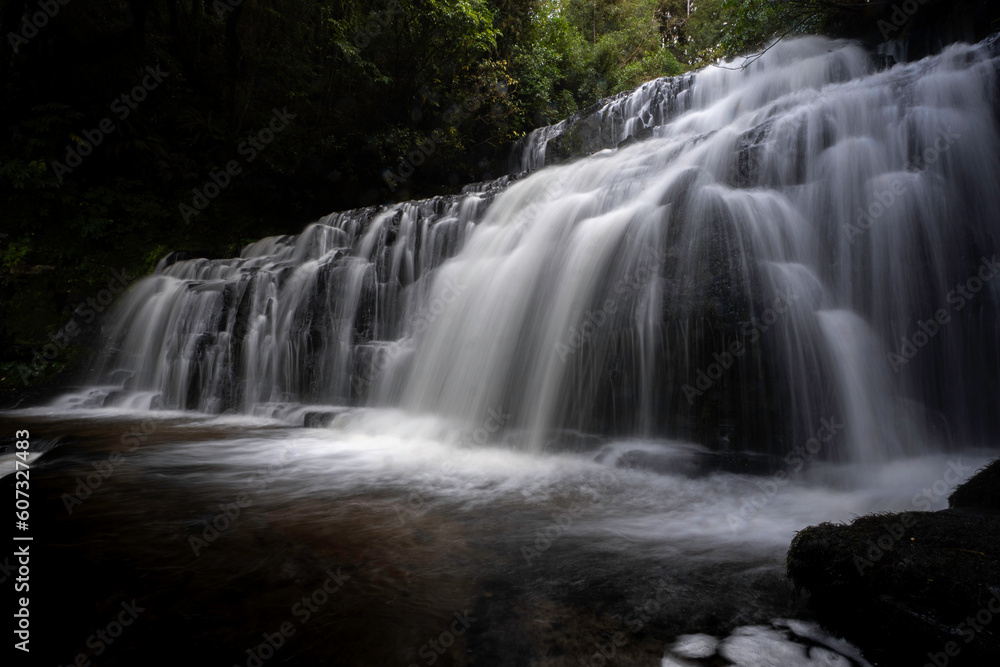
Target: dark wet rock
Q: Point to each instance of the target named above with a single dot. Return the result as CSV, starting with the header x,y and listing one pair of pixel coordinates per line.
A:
x,y
130,383
641,135
600,125
113,397
982,490
556,441
660,463
19,396
177,256
696,464
910,588
572,441
320,419
120,377
748,463
751,147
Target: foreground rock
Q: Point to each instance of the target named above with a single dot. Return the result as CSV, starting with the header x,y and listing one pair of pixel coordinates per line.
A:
x,y
916,588
981,491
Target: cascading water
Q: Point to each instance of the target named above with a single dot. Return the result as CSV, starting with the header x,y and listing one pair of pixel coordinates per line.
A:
x,y
783,248
796,260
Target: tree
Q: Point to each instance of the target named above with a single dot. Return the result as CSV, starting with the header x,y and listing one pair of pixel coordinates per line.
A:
x,y
755,23
694,31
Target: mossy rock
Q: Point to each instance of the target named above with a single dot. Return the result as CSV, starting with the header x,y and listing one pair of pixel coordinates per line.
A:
x,y
903,587
981,491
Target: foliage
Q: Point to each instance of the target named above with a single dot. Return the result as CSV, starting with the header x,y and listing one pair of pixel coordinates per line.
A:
x,y
370,85
581,51
695,39
755,23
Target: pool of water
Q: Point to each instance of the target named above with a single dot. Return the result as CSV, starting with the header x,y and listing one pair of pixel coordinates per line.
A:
x,y
393,538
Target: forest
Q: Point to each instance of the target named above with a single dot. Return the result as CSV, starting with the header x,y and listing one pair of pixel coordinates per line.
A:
x,y
133,128
519,333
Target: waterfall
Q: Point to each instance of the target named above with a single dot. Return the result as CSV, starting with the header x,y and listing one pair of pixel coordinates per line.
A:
x,y
738,257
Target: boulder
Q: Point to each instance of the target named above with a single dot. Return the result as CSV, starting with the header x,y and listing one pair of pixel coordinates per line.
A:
x,y
917,588
981,491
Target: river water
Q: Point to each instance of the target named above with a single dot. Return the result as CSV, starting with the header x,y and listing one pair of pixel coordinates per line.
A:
x,y
571,416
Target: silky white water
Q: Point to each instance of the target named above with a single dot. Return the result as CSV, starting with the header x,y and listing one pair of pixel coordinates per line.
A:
x,y
754,301
431,463
712,542
805,239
